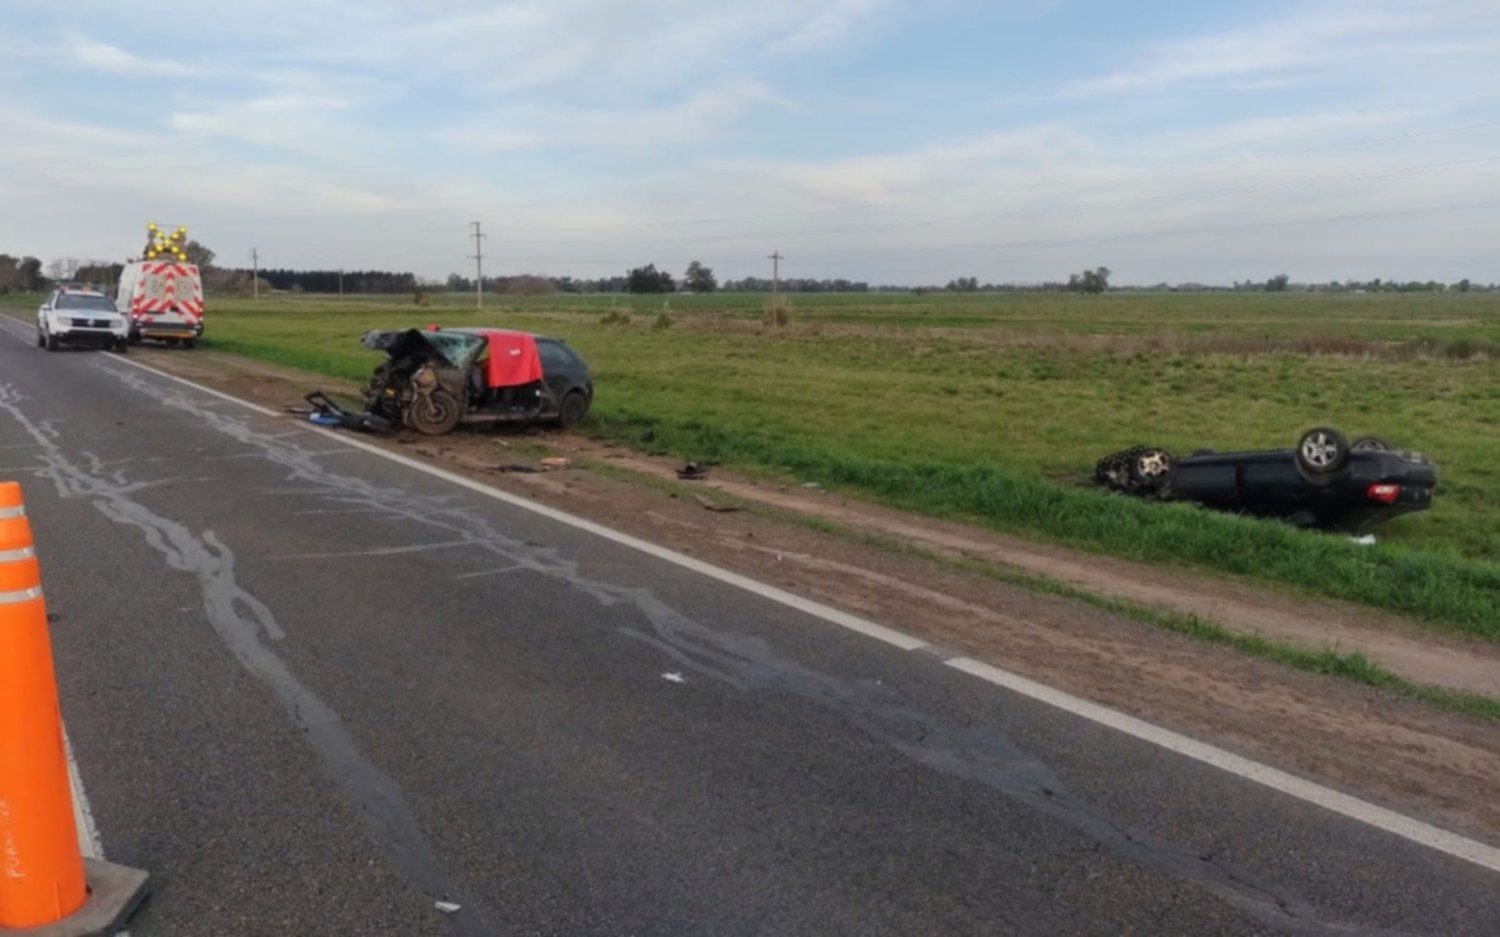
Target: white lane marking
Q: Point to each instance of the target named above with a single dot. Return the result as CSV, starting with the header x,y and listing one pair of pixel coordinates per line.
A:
x,y
1416,831
89,842
1352,807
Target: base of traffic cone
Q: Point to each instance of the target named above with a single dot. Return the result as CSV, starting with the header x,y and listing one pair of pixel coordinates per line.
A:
x,y
115,891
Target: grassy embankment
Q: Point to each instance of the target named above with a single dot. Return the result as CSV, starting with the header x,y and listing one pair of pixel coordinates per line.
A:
x,y
994,408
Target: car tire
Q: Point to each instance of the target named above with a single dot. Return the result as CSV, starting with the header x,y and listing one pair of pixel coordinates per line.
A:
x,y
1151,471
52,342
574,408
190,343
122,347
434,414
41,339
1371,444
1320,453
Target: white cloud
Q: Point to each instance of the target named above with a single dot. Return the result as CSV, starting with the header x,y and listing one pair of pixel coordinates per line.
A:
x,y
103,57
290,121
700,117
1268,52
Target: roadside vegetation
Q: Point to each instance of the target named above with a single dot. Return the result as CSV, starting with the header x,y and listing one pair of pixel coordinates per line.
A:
x,y
993,408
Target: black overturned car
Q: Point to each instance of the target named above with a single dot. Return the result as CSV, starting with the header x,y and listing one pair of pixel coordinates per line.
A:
x,y
1325,482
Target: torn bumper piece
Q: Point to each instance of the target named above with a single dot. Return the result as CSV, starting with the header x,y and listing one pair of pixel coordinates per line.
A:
x,y
327,413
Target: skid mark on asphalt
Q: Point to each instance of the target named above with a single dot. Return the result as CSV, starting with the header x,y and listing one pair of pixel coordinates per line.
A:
x,y
242,621
748,663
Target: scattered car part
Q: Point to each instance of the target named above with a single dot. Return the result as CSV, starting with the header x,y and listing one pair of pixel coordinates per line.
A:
x,y
694,471
1322,482
327,413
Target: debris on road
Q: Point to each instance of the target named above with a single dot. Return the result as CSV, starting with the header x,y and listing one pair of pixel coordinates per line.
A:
x,y
673,678
447,907
557,462
325,412
694,471
715,506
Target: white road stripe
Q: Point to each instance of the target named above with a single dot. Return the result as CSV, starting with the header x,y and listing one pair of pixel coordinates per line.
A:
x,y
1352,807
1416,831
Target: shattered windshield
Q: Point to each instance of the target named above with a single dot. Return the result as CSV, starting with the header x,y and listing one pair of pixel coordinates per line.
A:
x,y
457,348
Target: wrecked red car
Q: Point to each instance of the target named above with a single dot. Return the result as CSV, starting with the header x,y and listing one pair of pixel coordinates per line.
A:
x,y
436,379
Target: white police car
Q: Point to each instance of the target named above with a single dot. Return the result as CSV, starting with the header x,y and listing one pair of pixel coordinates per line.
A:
x,y
81,317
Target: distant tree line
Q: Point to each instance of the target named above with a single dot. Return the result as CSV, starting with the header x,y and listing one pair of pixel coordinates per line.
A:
x,y
802,285
327,281
27,274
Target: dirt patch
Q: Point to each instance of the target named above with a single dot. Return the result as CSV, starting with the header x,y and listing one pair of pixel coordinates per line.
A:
x,y
1443,766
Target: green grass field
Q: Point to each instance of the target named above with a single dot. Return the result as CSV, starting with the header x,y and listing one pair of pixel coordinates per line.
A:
x,y
995,407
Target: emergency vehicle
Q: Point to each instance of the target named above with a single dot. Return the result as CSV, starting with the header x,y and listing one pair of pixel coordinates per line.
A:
x,y
163,299
162,294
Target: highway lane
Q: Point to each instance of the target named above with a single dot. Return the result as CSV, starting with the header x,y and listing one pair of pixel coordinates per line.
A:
x,y
314,691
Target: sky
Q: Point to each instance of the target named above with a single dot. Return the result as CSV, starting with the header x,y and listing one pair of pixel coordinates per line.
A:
x,y
903,143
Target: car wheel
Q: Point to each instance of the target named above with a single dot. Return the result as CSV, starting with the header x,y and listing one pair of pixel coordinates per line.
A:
x,y
1151,470
1371,444
434,413
52,342
41,339
574,408
189,343
1321,452
122,346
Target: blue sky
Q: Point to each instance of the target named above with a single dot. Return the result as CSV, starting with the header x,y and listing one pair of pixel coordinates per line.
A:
x,y
892,142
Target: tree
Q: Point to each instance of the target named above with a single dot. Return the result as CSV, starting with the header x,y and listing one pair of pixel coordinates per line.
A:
x,y
199,254
1462,286
1278,283
648,279
699,279
1090,281
31,274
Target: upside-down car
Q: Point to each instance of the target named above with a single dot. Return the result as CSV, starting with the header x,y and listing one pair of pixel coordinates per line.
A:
x,y
1324,482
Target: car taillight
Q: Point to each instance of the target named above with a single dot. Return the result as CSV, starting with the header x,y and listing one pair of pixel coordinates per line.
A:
x,y
1386,494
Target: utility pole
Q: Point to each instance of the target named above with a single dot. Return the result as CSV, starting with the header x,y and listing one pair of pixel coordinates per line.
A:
x,y
255,272
478,257
775,259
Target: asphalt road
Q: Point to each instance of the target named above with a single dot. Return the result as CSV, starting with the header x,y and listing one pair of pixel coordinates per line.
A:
x,y
314,691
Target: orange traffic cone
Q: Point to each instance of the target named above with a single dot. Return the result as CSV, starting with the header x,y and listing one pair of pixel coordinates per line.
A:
x,y
44,882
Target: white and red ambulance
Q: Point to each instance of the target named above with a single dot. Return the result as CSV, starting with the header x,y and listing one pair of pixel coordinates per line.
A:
x,y
163,301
